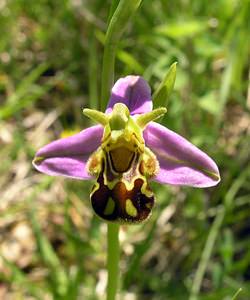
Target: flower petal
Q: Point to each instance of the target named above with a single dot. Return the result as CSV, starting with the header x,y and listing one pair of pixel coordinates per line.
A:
x,y
68,156
181,163
134,92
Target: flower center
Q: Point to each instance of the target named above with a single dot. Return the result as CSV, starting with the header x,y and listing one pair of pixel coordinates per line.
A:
x,y
121,159
122,166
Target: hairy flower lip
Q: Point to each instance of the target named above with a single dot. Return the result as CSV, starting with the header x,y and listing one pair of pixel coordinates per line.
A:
x,y
181,163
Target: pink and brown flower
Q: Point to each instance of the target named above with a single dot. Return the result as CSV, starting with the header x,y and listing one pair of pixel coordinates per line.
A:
x,y
126,151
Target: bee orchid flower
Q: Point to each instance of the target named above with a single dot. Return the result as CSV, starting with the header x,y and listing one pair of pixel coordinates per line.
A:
x,y
124,152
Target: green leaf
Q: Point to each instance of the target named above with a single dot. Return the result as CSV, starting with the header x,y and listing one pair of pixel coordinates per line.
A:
x,y
237,293
209,103
184,29
130,61
58,276
26,93
20,279
162,93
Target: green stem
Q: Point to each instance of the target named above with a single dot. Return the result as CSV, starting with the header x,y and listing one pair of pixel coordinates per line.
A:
x,y
206,254
214,232
113,260
124,10
93,71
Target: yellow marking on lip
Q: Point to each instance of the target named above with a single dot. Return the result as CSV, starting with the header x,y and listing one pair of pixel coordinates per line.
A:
x,y
130,208
144,190
110,206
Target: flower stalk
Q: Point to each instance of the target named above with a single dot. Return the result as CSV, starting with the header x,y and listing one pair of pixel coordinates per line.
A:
x,y
113,260
115,29
117,25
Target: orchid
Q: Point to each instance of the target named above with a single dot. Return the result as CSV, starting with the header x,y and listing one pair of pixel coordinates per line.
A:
x,y
126,151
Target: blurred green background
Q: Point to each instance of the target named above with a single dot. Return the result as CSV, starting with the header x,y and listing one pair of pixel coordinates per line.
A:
x,y
197,242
